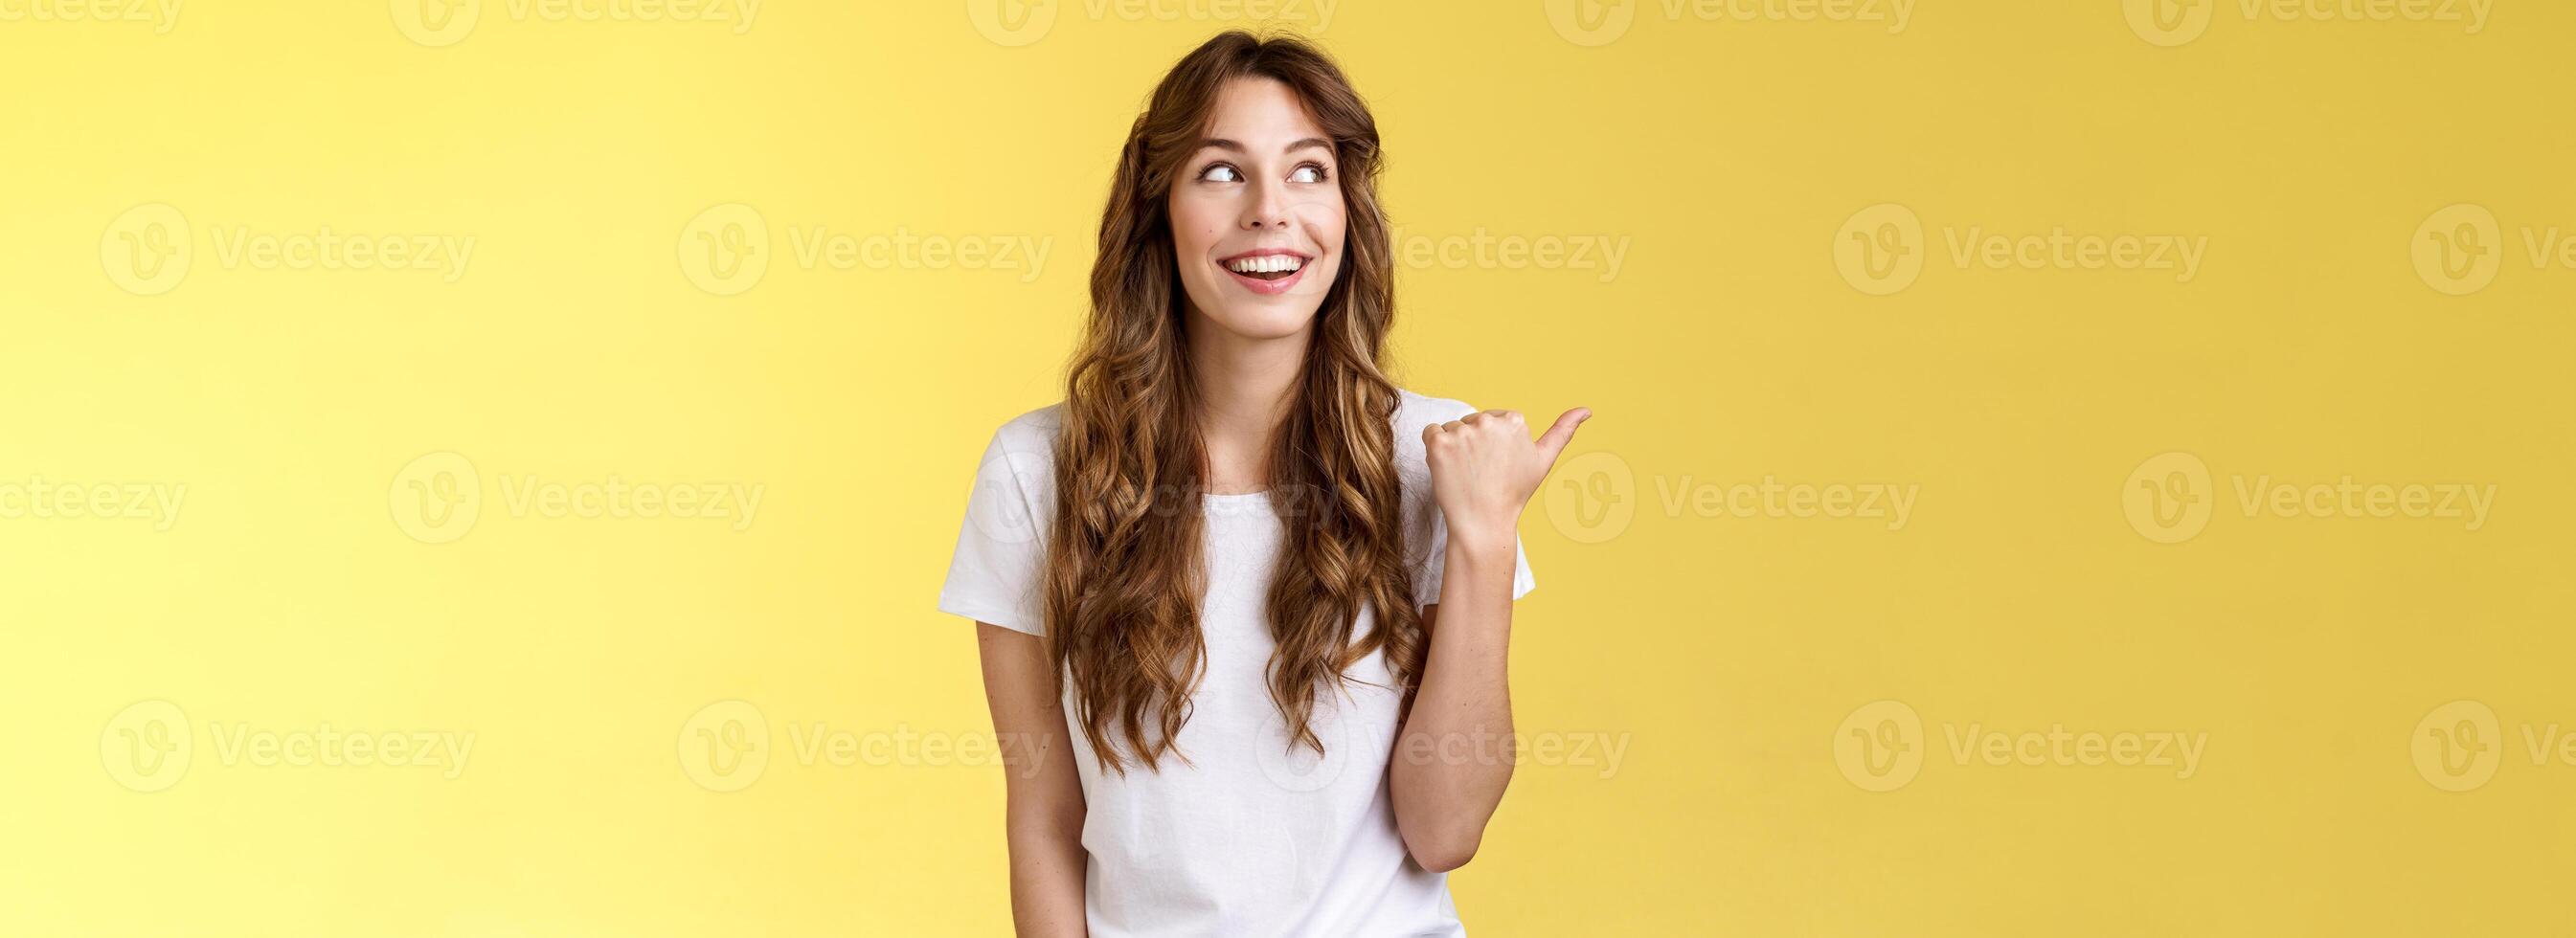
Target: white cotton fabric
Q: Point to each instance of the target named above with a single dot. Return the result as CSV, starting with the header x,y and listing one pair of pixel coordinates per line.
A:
x,y
1250,839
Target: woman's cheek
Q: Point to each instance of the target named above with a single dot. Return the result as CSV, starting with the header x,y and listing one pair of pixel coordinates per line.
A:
x,y
1197,223
1325,228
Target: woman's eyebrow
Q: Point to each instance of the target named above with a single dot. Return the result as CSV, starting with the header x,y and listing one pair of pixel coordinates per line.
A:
x,y
1222,143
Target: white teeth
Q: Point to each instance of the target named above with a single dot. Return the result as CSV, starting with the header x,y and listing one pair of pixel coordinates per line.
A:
x,y
1265,264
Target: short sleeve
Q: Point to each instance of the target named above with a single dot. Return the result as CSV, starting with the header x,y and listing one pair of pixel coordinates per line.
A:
x,y
1426,577
1001,548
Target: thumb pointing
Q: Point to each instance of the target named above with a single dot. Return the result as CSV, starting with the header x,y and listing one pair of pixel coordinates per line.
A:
x,y
1553,442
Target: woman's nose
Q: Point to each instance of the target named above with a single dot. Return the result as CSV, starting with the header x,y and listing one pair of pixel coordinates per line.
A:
x,y
1267,210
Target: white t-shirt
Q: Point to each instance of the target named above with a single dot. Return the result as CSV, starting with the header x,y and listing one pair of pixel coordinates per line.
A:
x,y
1251,839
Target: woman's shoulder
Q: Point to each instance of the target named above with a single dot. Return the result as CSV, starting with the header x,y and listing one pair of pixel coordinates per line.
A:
x,y
1031,431
1412,465
1024,448
1414,411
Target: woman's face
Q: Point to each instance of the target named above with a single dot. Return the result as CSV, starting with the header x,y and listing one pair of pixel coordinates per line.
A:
x,y
1257,219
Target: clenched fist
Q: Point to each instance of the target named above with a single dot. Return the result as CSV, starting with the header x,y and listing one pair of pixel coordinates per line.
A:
x,y
1485,467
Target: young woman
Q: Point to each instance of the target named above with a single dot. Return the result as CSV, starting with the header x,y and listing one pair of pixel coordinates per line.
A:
x,y
1243,603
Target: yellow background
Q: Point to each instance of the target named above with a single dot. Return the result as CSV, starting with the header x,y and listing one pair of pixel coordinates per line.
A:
x,y
1725,650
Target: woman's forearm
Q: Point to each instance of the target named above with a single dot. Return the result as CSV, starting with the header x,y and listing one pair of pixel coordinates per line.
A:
x,y
1043,809
1047,869
1454,757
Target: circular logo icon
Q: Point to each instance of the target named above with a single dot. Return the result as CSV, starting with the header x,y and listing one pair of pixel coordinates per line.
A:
x,y
1591,22
147,250
2168,498
1008,500
436,498
1879,249
435,23
2458,249
146,747
1296,767
1012,22
1592,497
725,746
2169,23
725,249
1879,747
2458,745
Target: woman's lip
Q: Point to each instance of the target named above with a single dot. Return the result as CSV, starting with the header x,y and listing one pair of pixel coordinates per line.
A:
x,y
1268,287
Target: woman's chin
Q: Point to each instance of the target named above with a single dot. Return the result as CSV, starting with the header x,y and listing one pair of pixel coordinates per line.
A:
x,y
1270,330
1264,319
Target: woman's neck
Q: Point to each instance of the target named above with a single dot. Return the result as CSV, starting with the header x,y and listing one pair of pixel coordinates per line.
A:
x,y
1245,386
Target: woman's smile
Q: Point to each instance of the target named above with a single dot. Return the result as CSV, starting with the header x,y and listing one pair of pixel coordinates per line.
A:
x,y
1266,271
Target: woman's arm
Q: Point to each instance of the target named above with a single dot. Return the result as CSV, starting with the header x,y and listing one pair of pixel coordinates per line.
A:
x,y
1454,756
1044,815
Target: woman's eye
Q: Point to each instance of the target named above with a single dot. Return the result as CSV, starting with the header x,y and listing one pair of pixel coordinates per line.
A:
x,y
1219,173
1307,173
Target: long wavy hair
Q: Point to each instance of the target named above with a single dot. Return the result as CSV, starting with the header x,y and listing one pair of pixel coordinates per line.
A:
x,y
1124,571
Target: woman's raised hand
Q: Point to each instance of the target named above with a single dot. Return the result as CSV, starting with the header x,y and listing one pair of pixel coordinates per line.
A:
x,y
1484,468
